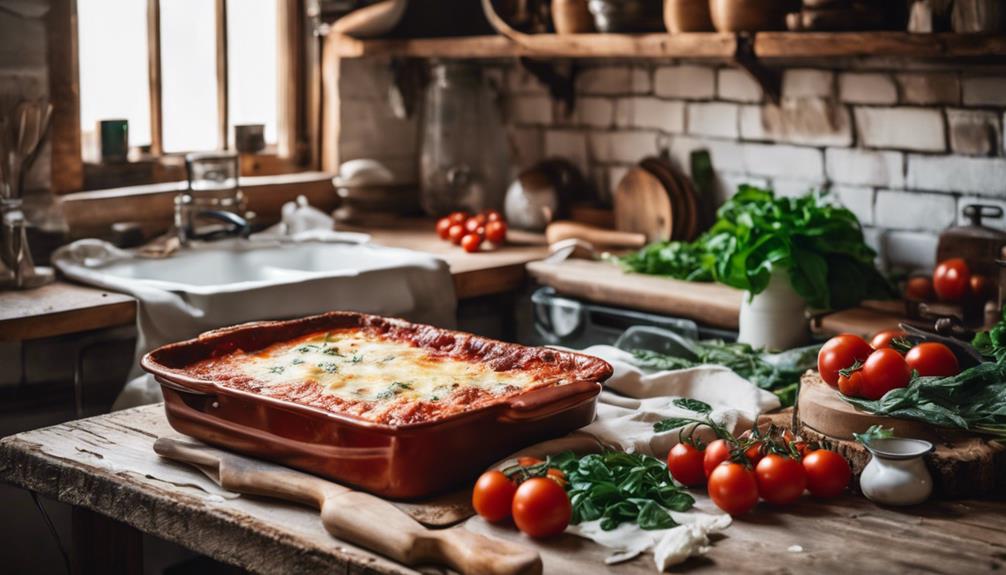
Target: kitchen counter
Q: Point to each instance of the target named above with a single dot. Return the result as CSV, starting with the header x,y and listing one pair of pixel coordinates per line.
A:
x,y
63,308
106,468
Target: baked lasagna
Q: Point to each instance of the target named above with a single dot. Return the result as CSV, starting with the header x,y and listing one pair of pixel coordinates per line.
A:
x,y
390,372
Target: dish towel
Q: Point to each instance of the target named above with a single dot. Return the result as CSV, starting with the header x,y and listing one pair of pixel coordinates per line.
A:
x,y
632,401
415,286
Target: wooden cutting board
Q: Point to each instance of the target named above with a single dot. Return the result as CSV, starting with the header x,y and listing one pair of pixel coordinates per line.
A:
x,y
962,464
603,282
642,205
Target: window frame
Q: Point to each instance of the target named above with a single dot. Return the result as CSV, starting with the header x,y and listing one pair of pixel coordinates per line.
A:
x,y
70,173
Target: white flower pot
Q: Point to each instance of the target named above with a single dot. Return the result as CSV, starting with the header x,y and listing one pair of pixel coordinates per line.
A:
x,y
897,474
775,318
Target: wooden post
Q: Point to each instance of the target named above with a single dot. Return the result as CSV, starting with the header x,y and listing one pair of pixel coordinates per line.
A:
x,y
104,546
67,167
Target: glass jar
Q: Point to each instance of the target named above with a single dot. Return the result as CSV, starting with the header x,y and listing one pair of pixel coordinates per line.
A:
x,y
464,162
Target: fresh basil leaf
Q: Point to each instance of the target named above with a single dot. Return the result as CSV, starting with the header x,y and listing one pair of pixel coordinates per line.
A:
x,y
669,424
693,405
652,516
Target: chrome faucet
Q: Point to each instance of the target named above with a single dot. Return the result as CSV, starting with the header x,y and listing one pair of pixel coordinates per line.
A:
x,y
213,206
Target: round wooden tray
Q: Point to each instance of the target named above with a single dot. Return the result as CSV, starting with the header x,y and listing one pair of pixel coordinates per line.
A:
x,y
962,464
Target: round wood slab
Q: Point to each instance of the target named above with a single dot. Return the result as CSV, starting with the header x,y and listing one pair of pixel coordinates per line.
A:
x,y
962,464
642,205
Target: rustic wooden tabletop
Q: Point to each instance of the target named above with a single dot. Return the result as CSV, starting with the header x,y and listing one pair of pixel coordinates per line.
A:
x,y
106,464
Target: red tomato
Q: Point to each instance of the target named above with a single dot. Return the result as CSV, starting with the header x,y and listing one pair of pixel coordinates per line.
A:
x,y
851,385
496,232
754,453
932,358
952,279
685,462
827,473
493,496
884,338
455,233
733,488
541,507
781,480
883,371
919,289
443,227
981,287
493,216
471,242
475,222
801,447
716,452
458,217
557,475
840,352
528,461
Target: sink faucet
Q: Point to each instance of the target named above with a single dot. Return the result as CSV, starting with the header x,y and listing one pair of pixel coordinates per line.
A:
x,y
213,206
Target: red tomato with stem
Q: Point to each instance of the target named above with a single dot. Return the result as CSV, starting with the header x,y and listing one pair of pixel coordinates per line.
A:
x,y
541,508
496,232
840,352
493,496
952,279
851,385
455,233
781,480
754,453
828,473
716,452
733,488
883,371
933,358
443,227
475,222
919,289
884,338
685,462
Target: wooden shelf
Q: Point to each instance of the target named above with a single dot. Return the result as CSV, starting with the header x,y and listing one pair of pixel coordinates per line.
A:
x,y
767,45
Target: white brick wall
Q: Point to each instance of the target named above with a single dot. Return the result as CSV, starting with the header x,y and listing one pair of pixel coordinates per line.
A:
x,y
612,80
859,200
802,83
532,109
956,174
651,113
806,121
915,210
714,119
985,91
865,168
974,132
867,89
624,147
596,112
901,128
784,161
687,82
738,86
925,89
570,144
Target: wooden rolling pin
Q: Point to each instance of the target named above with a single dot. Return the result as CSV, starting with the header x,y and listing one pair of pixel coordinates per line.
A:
x,y
600,238
358,517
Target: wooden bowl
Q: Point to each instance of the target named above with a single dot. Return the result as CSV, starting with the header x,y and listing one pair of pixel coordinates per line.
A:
x,y
749,15
687,16
572,17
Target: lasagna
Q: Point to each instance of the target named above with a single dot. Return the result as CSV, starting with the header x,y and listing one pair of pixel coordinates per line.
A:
x,y
387,373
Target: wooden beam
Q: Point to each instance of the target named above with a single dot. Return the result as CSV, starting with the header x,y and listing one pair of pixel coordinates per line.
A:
x,y
67,166
222,79
154,76
291,79
331,106
892,44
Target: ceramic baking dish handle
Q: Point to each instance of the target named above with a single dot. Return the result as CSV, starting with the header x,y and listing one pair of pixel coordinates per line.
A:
x,y
186,389
546,402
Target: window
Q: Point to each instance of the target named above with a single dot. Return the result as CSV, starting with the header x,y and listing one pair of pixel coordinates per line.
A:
x,y
182,72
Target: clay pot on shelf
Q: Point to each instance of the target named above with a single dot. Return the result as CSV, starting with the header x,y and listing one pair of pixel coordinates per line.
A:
x,y
572,17
687,16
749,15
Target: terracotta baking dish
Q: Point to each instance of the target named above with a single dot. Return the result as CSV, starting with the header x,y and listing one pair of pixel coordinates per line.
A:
x,y
399,461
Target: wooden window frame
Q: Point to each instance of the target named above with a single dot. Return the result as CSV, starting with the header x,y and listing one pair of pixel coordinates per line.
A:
x,y
70,173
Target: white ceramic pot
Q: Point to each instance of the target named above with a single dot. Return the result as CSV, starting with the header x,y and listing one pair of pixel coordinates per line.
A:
x,y
774,319
897,474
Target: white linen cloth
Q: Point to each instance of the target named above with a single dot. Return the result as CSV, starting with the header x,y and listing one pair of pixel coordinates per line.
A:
x,y
416,286
625,421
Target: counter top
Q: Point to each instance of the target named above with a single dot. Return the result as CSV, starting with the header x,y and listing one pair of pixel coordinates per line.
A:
x,y
63,308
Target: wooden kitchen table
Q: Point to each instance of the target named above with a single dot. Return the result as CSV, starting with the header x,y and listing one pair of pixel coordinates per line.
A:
x,y
106,465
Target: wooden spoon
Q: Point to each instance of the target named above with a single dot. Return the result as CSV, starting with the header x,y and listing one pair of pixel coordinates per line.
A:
x,y
358,517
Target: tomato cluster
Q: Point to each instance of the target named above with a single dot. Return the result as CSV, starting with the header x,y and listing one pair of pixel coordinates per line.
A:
x,y
776,467
952,281
470,231
538,505
870,370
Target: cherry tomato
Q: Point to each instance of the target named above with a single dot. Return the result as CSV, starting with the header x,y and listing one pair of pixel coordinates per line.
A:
x,y
471,242
883,371
781,480
828,473
455,233
919,289
458,217
801,447
557,475
493,216
840,352
443,227
541,507
496,232
981,287
932,358
528,461
475,222
685,462
493,496
716,452
884,338
754,453
733,488
851,385
952,279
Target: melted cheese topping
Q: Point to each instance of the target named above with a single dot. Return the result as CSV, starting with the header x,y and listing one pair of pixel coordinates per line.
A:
x,y
361,373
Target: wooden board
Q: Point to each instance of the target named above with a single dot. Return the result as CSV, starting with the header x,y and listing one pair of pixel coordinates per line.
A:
x,y
106,464
602,282
962,464
642,205
862,321
62,308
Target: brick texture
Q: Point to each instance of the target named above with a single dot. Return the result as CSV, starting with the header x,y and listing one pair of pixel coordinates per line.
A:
x,y
738,86
974,133
713,119
865,168
687,82
651,113
901,128
915,210
807,121
986,91
957,174
867,89
928,89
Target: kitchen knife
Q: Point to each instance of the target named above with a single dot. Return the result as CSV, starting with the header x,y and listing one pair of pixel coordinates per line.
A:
x,y
358,517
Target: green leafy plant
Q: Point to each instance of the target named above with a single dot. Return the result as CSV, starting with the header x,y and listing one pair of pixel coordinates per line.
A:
x,y
992,343
819,243
873,432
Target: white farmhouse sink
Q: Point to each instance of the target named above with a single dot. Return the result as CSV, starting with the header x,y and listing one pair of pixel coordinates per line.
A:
x,y
235,281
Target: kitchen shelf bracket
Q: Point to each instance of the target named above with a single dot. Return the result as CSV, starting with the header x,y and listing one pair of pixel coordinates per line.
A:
x,y
769,79
560,78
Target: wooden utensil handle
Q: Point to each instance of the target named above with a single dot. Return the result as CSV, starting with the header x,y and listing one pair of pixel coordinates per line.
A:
x,y
378,525
558,231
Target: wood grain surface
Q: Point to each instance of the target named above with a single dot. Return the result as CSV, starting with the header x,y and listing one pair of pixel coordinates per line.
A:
x,y
107,464
61,308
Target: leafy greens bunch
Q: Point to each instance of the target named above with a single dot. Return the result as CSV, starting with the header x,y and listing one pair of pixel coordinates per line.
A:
x,y
820,244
